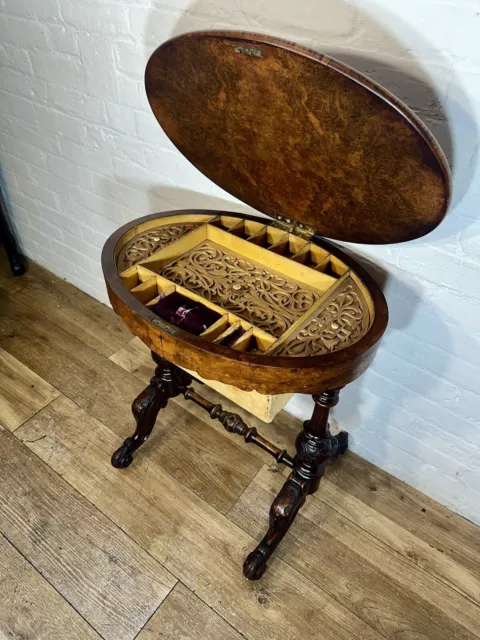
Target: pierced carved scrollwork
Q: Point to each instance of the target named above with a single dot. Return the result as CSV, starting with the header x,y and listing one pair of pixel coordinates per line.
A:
x,y
265,298
341,322
144,245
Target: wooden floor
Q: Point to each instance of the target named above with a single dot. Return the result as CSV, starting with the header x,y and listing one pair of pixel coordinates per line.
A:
x,y
155,551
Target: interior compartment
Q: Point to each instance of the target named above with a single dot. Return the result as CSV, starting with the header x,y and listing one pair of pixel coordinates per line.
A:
x,y
311,255
146,238
262,287
290,246
332,266
228,223
255,342
268,236
266,284
248,229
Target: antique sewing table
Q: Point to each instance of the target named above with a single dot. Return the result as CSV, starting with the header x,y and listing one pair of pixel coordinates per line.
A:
x,y
322,151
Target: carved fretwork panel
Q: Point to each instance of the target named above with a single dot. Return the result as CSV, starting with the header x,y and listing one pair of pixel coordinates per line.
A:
x,y
338,323
144,245
265,298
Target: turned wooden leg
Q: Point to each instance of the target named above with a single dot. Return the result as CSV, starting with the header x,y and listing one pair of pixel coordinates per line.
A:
x,y
316,447
169,381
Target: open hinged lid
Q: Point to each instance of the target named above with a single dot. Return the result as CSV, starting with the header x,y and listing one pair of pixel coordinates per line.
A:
x,y
299,136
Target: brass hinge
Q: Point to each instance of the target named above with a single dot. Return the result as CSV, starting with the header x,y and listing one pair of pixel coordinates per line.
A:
x,y
289,225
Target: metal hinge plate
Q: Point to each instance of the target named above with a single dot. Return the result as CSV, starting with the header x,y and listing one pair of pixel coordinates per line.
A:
x,y
289,225
162,324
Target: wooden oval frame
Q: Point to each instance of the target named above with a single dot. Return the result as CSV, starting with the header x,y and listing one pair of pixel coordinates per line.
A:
x,y
265,374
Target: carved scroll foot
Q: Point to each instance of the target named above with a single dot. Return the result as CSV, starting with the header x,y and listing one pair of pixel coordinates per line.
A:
x,y
122,458
168,382
316,448
282,513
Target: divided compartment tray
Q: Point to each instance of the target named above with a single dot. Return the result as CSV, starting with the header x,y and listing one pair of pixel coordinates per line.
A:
x,y
276,293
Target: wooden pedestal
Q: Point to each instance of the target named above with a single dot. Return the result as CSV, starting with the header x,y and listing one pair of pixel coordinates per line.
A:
x,y
315,448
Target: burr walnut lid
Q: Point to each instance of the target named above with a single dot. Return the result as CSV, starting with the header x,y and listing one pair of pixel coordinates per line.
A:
x,y
299,136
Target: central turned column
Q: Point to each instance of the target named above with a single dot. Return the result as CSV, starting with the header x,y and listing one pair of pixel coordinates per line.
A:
x,y
315,444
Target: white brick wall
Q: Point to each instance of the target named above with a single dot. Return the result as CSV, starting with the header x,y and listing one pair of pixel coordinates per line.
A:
x,y
82,154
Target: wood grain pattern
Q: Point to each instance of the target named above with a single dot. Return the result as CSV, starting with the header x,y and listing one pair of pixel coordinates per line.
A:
x,y
294,132
369,527
23,392
73,310
113,584
246,370
423,517
346,556
183,616
30,607
192,452
135,357
461,576
192,540
79,372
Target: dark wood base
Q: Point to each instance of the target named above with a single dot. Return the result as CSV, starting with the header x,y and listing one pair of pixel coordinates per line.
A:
x,y
315,448
169,381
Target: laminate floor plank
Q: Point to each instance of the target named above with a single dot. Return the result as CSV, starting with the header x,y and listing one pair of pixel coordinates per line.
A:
x,y
92,381
400,540
74,311
387,591
183,616
98,569
216,469
197,544
30,608
22,392
428,520
368,557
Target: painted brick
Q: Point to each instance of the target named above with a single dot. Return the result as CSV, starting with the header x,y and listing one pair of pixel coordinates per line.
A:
x,y
47,9
81,154
99,77
23,33
37,192
11,125
86,156
111,20
70,172
59,123
131,58
15,57
58,68
24,150
13,105
74,102
63,40
23,85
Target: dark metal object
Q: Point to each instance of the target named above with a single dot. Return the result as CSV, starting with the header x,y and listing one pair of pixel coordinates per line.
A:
x,y
7,239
